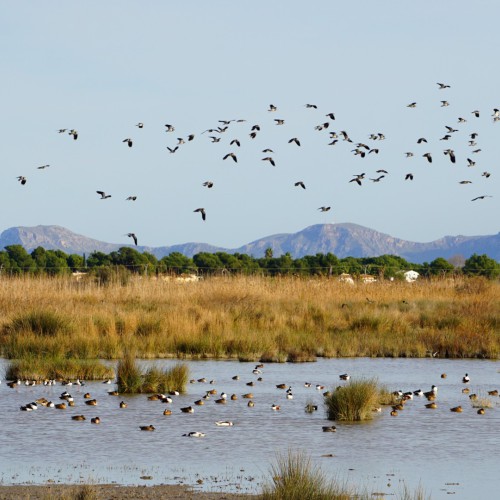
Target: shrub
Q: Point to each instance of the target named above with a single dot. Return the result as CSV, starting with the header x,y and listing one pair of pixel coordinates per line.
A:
x,y
45,323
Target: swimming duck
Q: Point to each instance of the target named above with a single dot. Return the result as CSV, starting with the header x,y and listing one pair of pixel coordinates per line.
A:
x,y
251,403
187,409
113,393
493,393
221,401
195,434
95,420
473,397
153,397
167,399
443,375
147,427
87,395
224,423
480,411
432,406
394,413
91,402
234,397
319,387
167,412
275,407
174,393
465,390
248,395
329,428
344,376
61,406
236,377
456,409
78,417
466,378
123,404
307,384
199,402
432,392
281,386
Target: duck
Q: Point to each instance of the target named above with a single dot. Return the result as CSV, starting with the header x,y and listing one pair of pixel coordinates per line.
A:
x,y
187,409
394,413
465,390
91,402
223,395
248,395
174,393
221,401
250,404
329,428
224,423
431,406
473,397
78,417
466,378
153,397
493,393
289,395
199,402
275,407
236,377
166,399
61,406
95,420
123,404
344,376
234,397
113,393
319,387
307,384
166,411
147,427
87,395
195,434
456,409
281,386
481,411
443,375
432,392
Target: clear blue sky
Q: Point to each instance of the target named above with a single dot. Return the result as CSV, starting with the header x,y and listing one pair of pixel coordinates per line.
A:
x,y
101,67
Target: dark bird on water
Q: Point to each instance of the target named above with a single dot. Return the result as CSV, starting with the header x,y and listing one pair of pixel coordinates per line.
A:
x,y
202,211
133,236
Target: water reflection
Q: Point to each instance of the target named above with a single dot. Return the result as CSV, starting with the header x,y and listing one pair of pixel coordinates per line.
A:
x,y
447,452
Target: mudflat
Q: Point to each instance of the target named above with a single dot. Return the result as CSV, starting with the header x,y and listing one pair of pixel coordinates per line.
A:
x,y
112,492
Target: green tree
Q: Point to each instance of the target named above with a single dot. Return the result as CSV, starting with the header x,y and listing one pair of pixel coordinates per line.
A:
x,y
440,267
481,265
20,260
178,263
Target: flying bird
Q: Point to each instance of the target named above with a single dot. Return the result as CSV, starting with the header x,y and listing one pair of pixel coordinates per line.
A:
x,y
331,116
294,139
128,141
202,211
173,150
470,162
444,104
443,86
208,184
311,106
378,179
74,133
41,167
235,141
133,236
279,121
22,179
324,209
451,154
301,184
231,155
409,177
428,156
169,128
270,160
139,125
272,107
485,174
482,197
103,195
421,140
131,198
412,105
465,182
475,113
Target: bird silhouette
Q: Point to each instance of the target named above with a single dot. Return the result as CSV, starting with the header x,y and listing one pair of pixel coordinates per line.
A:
x,y
482,197
208,184
22,179
231,155
270,160
295,140
129,142
202,211
103,195
301,184
131,198
133,236
324,209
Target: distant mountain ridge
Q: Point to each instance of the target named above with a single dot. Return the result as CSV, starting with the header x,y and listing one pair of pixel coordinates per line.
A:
x,y
343,240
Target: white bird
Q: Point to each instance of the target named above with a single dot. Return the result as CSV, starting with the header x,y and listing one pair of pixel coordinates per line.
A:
x,y
195,434
224,423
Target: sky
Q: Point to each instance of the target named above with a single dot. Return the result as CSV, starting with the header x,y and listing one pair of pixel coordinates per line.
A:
x,y
103,67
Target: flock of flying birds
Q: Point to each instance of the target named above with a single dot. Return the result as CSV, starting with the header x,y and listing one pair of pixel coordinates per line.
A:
x,y
360,149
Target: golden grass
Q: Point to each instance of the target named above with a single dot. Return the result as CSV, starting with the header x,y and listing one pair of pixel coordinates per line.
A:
x,y
249,317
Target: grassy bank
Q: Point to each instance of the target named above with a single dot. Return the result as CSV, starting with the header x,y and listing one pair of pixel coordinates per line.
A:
x,y
249,318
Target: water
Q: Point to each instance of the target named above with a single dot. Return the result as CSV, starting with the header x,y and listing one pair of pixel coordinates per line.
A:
x,y
447,453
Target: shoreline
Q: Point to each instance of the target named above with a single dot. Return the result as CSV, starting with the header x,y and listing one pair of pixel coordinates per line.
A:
x,y
112,492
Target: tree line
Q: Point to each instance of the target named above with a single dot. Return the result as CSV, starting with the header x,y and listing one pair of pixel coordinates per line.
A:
x,y
15,260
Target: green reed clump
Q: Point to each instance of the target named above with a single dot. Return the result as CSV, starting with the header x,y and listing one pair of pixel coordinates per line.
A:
x,y
44,323
294,477
354,401
59,368
131,379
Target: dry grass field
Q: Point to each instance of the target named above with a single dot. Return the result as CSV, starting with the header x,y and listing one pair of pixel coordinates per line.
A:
x,y
273,319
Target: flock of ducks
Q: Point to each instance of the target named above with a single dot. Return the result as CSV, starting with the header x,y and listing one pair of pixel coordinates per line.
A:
x,y
66,400
224,133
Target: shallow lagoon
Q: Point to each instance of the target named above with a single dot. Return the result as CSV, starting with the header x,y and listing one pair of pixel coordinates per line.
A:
x,y
447,453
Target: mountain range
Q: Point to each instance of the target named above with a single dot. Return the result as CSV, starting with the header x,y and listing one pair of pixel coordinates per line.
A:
x,y
343,240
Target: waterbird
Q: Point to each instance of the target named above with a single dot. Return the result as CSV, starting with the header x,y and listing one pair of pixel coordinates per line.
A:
x,y
195,434
147,427
224,423
203,213
103,195
133,236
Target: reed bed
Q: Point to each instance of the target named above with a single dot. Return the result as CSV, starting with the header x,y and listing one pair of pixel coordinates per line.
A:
x,y
249,317
40,368
132,379
353,402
